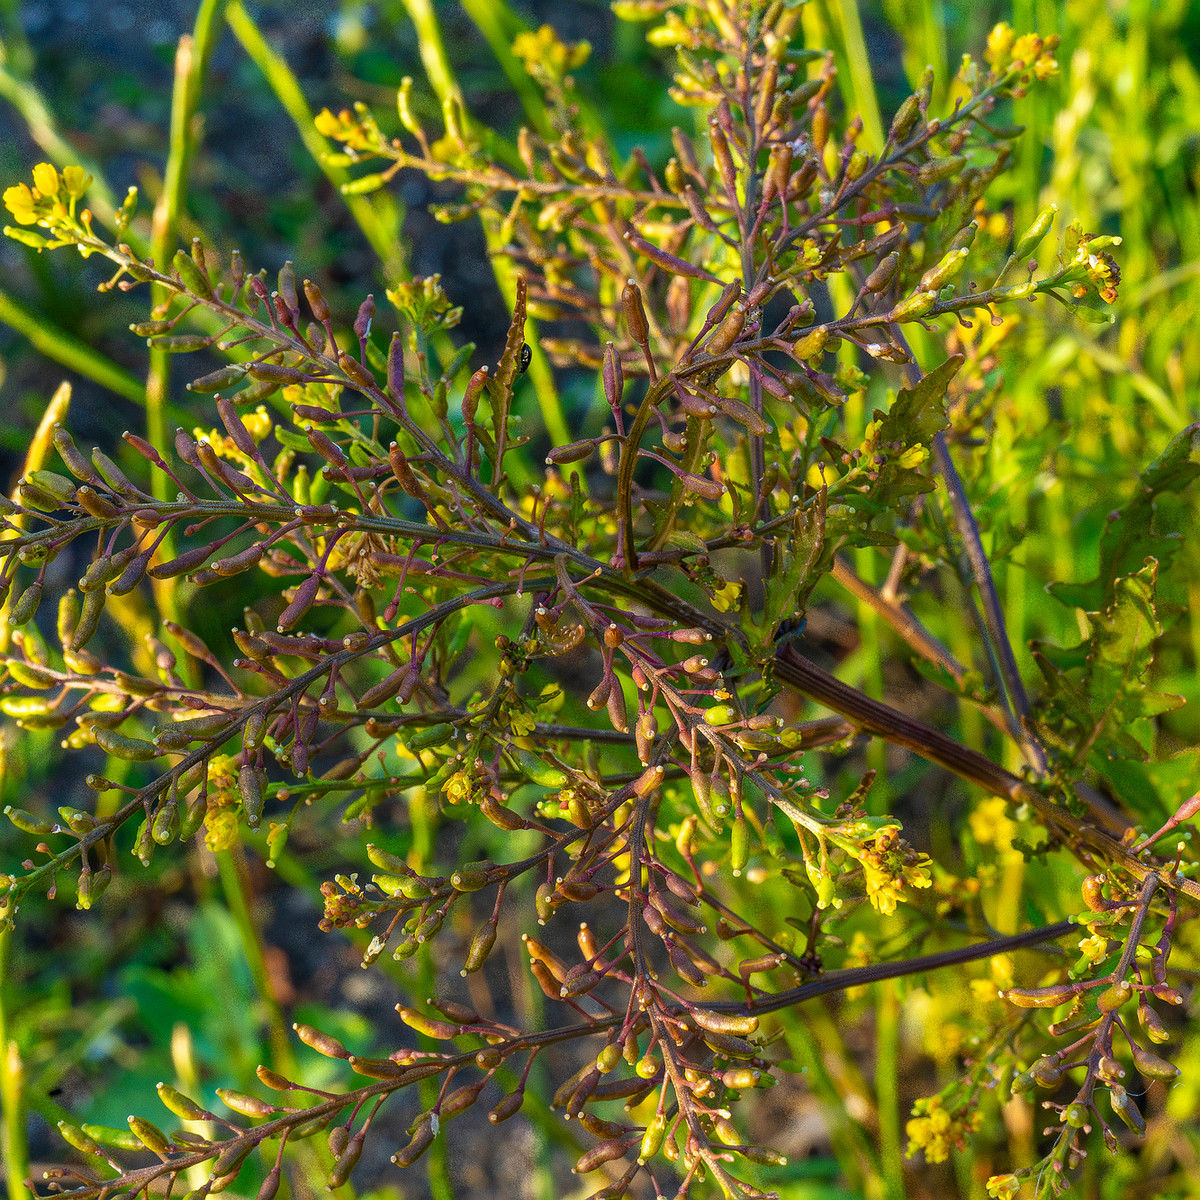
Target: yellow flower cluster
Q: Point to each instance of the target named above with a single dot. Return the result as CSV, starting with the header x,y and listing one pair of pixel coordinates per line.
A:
x,y
936,1130
52,195
1005,50
888,863
221,821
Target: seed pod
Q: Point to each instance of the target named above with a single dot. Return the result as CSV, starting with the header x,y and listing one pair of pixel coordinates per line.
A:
x,y
430,1027
883,274
191,276
322,1043
232,1157
729,1045
905,118
89,619
74,1136
635,313
939,169
250,783
916,305
248,1106
739,844
718,1022
182,1106
95,505
606,1061
117,1139
131,576
606,1151
1043,997
1126,1109
27,822
461,1099
739,1078
112,474
573,452
943,271
271,372
508,1107
614,377
1032,237
302,600
359,375
1151,1065
26,606
214,381
375,1068
652,1139
1113,997
270,1184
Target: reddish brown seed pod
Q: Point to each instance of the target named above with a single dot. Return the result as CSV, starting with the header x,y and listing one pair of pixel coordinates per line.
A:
x,y
635,312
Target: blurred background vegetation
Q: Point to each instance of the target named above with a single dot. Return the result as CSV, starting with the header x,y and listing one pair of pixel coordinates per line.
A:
x,y
192,970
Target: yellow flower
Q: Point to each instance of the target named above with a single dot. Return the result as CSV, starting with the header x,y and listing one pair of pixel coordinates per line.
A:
x,y
1003,1187
457,789
45,179
19,201
220,829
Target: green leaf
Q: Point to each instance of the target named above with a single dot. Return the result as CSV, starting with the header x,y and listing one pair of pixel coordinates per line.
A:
x,y
1129,536
1094,713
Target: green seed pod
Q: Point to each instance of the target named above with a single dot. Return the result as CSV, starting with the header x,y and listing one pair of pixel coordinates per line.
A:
x,y
481,947
939,169
74,1136
534,769
322,1043
248,1106
652,1139
89,619
191,276
739,1078
150,1136
27,822
1113,997
942,272
431,736
1126,1109
251,781
26,606
30,676
764,1155
906,116
111,473
1029,241
608,1058
1151,1065
132,749
117,1139
182,1106
739,844
386,861
165,827
59,487
914,306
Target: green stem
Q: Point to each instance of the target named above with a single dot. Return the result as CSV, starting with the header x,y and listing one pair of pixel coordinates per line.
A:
x,y
68,351
887,1087
235,883
379,216
12,1080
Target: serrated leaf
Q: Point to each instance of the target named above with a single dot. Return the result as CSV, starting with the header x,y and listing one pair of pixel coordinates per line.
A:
x,y
793,575
1129,536
1094,714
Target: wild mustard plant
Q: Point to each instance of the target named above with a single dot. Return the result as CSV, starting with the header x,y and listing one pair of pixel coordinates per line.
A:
x,y
589,654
